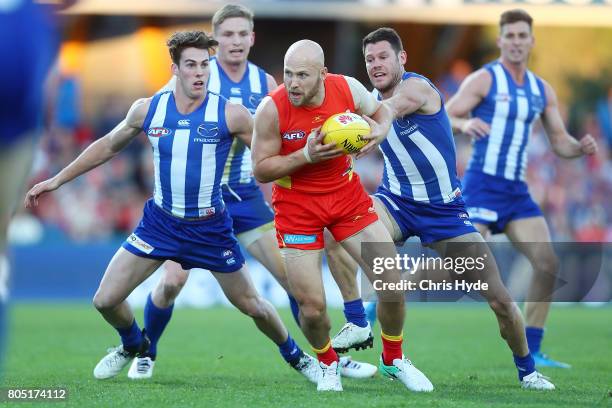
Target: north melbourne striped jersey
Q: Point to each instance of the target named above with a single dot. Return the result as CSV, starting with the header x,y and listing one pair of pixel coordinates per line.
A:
x,y
511,111
189,153
249,92
419,156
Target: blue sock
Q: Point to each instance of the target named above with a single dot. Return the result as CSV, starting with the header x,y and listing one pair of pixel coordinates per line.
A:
x,y
131,337
156,320
534,338
355,313
525,365
295,309
290,351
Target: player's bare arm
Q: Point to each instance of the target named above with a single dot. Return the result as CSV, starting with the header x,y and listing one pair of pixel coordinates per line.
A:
x,y
378,115
562,143
272,85
268,163
97,153
239,122
471,92
414,95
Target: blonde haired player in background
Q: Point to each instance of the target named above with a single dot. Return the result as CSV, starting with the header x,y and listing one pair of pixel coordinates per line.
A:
x,y
498,105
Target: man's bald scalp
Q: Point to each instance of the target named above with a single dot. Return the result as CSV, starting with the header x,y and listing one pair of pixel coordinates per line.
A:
x,y
306,51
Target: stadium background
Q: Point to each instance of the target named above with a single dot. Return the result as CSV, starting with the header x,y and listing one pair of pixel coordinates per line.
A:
x,y
114,52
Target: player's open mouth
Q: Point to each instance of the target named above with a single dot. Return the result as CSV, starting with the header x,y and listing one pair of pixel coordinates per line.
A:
x,y
379,74
198,84
236,52
295,94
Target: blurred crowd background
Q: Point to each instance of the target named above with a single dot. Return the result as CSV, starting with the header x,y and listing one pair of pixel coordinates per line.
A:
x,y
108,61
114,52
107,202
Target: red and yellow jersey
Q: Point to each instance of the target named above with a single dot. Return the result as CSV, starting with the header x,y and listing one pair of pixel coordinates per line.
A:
x,y
296,123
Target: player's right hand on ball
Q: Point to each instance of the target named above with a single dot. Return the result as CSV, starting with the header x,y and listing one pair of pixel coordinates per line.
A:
x,y
317,151
476,128
31,198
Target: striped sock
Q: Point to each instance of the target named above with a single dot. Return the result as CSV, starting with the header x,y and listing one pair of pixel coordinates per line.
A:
x,y
327,354
392,348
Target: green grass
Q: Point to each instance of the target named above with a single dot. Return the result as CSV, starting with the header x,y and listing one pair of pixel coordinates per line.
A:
x,y
216,358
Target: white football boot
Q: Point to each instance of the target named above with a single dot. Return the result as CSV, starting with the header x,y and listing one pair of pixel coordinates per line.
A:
x,y
112,363
141,368
308,366
352,336
403,370
329,379
356,369
536,381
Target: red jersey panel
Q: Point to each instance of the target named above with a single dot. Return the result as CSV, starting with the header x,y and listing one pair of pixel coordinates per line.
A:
x,y
296,123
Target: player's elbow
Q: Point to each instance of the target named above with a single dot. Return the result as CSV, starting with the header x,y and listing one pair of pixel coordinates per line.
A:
x,y
261,173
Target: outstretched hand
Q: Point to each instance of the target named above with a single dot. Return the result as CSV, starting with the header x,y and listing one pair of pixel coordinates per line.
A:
x,y
31,198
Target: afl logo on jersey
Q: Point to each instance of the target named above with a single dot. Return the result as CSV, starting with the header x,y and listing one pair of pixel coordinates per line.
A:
x,y
158,132
294,135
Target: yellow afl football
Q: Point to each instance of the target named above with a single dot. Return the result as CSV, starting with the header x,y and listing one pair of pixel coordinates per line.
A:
x,y
346,130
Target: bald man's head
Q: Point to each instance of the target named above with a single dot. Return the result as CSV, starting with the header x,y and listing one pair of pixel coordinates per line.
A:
x,y
307,52
304,73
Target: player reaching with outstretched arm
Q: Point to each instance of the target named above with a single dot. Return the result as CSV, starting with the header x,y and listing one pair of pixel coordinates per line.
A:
x,y
186,219
498,105
316,188
420,192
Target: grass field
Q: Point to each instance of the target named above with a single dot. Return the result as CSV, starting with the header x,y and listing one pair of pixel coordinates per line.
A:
x,y
216,358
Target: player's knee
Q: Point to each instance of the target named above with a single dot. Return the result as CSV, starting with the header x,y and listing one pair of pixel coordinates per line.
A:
x,y
172,285
391,296
503,310
547,264
103,302
312,309
252,306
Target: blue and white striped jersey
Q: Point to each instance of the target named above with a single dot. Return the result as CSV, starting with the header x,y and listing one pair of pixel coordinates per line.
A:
x,y
510,110
189,153
249,92
419,154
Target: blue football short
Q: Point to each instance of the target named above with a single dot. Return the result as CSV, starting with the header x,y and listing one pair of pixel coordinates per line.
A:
x,y
428,221
495,201
247,207
206,243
